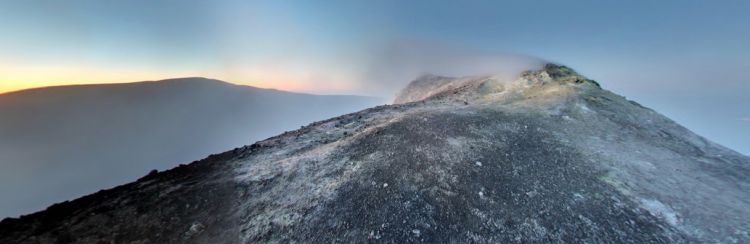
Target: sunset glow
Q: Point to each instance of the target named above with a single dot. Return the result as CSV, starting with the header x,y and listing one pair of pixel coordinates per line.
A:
x,y
14,78
660,53
245,121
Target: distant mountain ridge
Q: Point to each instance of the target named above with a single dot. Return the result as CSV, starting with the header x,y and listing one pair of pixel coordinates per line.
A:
x,y
60,142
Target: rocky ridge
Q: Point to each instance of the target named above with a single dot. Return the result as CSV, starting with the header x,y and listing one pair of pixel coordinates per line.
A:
x,y
548,157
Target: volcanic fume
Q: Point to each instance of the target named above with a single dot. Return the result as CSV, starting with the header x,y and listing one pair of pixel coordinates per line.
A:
x,y
547,157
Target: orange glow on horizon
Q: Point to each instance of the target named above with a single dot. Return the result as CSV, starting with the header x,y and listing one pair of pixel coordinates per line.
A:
x,y
18,78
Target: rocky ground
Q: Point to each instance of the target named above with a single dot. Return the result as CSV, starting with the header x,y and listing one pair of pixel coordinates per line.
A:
x,y
548,157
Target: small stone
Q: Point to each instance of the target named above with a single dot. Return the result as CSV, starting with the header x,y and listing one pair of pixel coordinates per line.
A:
x,y
481,194
385,185
478,163
195,229
416,232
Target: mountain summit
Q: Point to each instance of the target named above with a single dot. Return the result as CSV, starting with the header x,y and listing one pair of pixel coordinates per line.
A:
x,y
547,157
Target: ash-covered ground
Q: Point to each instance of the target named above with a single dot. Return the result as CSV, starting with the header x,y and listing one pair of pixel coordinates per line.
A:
x,y
548,157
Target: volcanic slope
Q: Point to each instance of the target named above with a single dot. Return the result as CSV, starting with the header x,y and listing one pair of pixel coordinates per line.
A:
x,y
547,157
59,143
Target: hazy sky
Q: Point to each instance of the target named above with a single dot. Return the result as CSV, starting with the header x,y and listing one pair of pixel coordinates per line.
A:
x,y
687,59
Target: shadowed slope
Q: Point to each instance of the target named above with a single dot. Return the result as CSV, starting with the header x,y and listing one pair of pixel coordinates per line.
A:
x,y
57,143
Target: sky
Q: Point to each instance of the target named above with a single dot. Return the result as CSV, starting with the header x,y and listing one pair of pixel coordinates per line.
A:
x,y
687,59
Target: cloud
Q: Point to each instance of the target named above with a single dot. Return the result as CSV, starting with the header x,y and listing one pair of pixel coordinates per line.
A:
x,y
399,62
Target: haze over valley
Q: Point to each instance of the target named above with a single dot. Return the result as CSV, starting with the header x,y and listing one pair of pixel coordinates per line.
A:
x,y
58,143
452,121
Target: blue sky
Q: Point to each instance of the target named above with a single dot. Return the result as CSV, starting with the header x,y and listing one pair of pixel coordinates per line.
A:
x,y
687,59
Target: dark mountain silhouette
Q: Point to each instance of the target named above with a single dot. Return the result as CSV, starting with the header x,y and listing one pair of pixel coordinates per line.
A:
x,y
58,143
548,157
